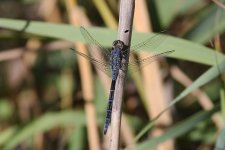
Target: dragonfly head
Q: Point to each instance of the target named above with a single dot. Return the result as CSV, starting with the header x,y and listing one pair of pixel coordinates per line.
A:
x,y
118,44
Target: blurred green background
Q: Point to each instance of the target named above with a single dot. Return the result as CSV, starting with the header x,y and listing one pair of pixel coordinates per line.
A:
x,y
51,99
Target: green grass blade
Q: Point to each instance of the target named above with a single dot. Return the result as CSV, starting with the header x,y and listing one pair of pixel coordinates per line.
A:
x,y
184,49
42,124
209,75
168,10
6,135
58,31
203,79
77,138
177,130
222,99
220,143
200,32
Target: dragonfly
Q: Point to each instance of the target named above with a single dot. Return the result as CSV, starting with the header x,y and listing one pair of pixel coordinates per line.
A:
x,y
113,61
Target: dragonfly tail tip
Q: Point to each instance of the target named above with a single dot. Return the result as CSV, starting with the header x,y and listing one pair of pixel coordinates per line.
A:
x,y
105,131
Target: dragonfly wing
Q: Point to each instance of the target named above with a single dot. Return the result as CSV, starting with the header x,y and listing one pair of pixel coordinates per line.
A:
x,y
94,44
135,64
104,67
152,42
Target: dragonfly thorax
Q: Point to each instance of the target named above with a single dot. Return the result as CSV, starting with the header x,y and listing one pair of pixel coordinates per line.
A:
x,y
116,59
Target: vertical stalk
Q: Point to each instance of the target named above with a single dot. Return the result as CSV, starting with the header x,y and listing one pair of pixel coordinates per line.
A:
x,y
124,34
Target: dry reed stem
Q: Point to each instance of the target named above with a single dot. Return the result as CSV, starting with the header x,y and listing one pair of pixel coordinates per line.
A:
x,y
48,10
10,54
126,14
39,140
111,22
156,100
203,99
107,16
104,78
218,3
75,17
127,132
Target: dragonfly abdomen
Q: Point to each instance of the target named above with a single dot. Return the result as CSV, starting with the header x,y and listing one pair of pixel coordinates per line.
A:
x,y
109,107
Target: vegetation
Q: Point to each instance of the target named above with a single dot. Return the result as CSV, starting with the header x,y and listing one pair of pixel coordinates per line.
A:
x,y
52,99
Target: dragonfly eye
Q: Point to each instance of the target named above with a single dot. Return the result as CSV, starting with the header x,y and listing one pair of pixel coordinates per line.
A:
x,y
115,43
118,44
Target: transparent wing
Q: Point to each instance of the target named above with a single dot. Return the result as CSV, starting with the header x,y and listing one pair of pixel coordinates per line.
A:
x,y
152,42
104,67
136,64
94,44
